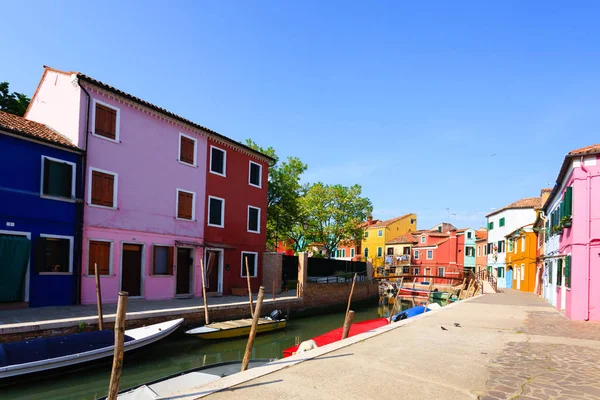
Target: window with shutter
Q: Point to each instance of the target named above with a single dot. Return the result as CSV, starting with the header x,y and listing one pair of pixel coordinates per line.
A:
x,y
218,159
253,219
568,201
162,260
53,254
103,189
216,209
185,205
440,271
58,178
187,149
105,121
559,272
251,259
568,271
99,253
255,174
502,221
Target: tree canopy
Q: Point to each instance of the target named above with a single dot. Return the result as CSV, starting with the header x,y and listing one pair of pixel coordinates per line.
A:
x,y
14,103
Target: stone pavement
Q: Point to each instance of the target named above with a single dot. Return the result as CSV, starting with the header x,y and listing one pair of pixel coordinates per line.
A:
x,y
509,345
33,319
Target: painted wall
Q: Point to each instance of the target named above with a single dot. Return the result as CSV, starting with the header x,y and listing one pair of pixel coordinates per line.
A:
x,y
238,195
481,255
392,230
523,261
445,254
22,206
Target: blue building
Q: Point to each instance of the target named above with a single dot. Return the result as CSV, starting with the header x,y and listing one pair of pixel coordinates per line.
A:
x,y
40,215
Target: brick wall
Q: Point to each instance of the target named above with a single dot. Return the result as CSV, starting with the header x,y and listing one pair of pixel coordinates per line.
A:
x,y
320,295
272,271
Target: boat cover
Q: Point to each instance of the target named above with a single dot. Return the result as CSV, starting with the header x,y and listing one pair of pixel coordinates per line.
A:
x,y
56,346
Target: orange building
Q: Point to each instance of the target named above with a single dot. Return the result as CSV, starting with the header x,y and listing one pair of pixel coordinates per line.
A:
x,y
481,249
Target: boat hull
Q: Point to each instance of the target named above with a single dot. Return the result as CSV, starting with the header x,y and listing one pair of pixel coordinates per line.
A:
x,y
233,332
439,295
413,292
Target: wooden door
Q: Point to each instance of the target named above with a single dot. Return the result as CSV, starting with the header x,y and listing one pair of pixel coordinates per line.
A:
x,y
131,274
184,265
212,270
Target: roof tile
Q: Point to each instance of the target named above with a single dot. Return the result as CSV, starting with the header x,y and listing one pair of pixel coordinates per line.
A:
x,y
33,129
528,202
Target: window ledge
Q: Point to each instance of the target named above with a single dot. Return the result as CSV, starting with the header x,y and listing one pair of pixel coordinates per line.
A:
x,y
185,219
105,138
55,273
255,232
161,276
101,276
256,186
216,226
217,173
104,207
187,164
57,198
244,276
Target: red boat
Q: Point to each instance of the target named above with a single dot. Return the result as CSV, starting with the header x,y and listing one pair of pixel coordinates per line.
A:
x,y
336,334
405,291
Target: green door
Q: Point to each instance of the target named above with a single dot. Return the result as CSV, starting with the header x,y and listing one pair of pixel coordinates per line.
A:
x,y
14,259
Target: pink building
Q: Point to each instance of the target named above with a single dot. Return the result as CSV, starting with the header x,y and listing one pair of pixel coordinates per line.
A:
x,y
145,180
571,274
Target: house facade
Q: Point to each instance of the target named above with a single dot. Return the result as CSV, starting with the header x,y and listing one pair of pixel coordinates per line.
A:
x,y
400,251
521,247
481,248
466,257
147,188
41,215
500,223
571,274
436,254
377,234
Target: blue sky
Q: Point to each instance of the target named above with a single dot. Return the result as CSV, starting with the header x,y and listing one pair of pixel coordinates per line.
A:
x,y
452,105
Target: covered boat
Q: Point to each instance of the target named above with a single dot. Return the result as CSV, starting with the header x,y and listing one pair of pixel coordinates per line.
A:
x,y
439,295
239,327
29,356
406,291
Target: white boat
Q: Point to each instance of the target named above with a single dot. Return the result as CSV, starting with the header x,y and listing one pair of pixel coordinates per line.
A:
x,y
177,385
30,356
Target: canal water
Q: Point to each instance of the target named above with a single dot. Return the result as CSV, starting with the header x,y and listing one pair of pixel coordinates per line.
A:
x,y
178,352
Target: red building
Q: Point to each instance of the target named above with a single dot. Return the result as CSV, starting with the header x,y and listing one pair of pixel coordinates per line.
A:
x,y
436,253
236,216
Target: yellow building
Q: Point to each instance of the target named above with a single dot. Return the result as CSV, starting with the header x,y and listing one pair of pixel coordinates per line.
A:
x,y
521,246
378,233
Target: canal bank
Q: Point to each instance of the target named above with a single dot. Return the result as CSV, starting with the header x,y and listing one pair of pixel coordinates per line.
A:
x,y
506,346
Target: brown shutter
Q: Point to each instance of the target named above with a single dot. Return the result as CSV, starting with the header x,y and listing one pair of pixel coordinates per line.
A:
x,y
170,261
186,153
184,210
99,252
103,189
106,122
154,259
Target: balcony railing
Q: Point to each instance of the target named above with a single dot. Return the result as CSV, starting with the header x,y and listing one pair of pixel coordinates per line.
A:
x,y
398,260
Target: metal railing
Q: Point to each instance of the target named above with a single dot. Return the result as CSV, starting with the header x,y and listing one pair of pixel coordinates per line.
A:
x,y
485,275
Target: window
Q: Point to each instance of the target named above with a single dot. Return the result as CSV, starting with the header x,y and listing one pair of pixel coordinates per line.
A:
x,y
54,254
501,246
255,174
252,259
390,251
103,189
440,271
522,272
343,252
352,252
99,252
406,250
568,271
470,251
568,200
379,251
490,225
216,211
469,235
415,271
366,252
187,150
523,243
429,254
338,253
559,272
218,161
550,272
185,205
485,253
500,272
423,238
366,234
380,232
416,254
501,223
510,245
253,219
478,251
406,270
106,121
58,178
162,260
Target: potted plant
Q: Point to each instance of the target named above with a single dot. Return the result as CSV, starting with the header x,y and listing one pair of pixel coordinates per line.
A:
x,y
557,229
566,221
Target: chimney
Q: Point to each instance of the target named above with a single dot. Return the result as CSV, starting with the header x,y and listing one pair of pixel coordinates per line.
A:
x,y
370,220
545,193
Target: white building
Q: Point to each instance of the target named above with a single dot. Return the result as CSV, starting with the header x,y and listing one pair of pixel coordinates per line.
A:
x,y
502,222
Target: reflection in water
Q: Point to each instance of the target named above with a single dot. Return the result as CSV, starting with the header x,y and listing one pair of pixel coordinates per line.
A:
x,y
179,352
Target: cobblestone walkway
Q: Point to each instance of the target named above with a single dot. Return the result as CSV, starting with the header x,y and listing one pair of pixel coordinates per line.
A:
x,y
546,366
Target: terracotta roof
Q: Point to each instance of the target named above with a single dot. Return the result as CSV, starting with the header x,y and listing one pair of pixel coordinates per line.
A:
x,y
436,234
156,108
406,238
546,190
528,202
436,242
446,226
593,149
383,224
481,234
32,129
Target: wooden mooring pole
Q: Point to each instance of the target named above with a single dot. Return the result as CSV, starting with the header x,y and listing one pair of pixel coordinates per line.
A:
x,y
273,289
206,318
117,367
249,287
347,324
246,360
351,292
99,298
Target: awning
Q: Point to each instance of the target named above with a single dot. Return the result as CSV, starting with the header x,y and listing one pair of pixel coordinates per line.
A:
x,y
219,245
180,243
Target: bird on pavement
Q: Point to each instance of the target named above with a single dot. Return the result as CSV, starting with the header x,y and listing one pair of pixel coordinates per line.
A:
x,y
444,329
456,324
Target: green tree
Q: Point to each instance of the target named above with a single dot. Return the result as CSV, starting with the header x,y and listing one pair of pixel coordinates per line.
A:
x,y
334,213
14,103
284,214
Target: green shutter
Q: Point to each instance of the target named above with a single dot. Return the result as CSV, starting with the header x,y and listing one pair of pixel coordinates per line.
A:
x,y
559,272
568,201
568,271
547,236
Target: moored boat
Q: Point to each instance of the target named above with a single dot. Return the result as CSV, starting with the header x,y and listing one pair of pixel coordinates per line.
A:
x,y
406,291
30,356
239,327
439,295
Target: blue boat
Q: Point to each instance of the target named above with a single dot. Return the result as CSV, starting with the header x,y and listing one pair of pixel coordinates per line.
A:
x,y
411,312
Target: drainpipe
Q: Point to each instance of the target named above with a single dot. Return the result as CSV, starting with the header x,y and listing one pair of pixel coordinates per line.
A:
x,y
82,204
588,234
